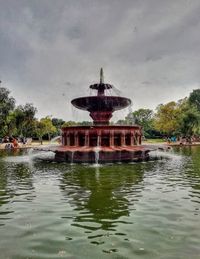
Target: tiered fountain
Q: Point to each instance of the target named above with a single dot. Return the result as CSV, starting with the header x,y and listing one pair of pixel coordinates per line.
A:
x,y
101,142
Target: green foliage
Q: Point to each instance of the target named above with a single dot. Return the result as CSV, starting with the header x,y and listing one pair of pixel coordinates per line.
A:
x,y
49,128
85,123
44,127
194,99
40,130
58,125
181,118
69,123
7,105
167,117
144,118
10,125
19,121
189,118
122,122
25,119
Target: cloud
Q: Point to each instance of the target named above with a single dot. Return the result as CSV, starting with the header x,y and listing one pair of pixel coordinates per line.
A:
x,y
51,51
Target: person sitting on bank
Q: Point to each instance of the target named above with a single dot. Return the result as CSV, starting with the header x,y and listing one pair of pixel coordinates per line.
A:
x,y
6,139
15,143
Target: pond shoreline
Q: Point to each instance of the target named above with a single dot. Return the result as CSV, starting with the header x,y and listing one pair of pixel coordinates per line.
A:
x,y
146,143
23,146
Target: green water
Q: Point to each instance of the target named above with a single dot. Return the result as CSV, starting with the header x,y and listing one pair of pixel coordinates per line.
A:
x,y
142,210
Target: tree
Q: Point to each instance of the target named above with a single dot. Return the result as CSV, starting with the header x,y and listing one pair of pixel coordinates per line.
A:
x,y
7,105
25,119
10,125
49,128
167,118
40,130
189,119
85,123
142,117
121,122
190,122
194,99
69,123
58,123
181,118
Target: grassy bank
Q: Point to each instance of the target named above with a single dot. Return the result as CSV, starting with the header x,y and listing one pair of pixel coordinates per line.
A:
x,y
154,141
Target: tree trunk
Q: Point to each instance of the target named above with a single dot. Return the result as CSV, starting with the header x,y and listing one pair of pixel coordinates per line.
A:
x,y
41,141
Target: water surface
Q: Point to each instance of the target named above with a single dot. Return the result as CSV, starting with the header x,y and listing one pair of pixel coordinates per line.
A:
x,y
139,210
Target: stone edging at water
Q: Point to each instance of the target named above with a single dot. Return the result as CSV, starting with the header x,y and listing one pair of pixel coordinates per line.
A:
x,y
21,146
184,144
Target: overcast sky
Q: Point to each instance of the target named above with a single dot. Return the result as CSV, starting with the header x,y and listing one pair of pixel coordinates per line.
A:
x,y
51,51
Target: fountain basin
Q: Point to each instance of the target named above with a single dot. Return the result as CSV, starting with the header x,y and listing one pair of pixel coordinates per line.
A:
x,y
105,154
112,143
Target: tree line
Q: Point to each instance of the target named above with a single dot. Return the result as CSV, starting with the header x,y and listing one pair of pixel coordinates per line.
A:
x,y
21,121
181,118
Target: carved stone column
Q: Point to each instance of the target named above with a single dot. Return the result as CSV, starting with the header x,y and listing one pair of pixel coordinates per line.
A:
x,y
140,139
76,142
99,139
132,138
111,139
87,139
67,139
63,139
135,139
123,139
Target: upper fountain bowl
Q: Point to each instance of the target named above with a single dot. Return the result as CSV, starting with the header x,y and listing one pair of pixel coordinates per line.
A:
x,y
101,106
101,103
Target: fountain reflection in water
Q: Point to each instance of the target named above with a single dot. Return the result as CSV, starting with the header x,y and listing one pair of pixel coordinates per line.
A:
x,y
72,157
97,150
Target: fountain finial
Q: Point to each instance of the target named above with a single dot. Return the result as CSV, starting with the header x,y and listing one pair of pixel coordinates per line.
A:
x,y
101,76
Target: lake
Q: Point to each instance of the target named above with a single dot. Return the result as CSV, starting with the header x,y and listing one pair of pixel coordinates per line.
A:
x,y
140,210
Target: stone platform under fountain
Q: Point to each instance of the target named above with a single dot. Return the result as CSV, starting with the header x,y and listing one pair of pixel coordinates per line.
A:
x,y
100,142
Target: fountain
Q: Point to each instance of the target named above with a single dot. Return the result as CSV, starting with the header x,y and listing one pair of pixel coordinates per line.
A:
x,y
101,141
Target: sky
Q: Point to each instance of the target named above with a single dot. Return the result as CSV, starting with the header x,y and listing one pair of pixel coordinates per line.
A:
x,y
51,51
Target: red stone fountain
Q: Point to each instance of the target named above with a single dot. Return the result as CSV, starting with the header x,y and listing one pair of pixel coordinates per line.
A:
x,y
101,142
